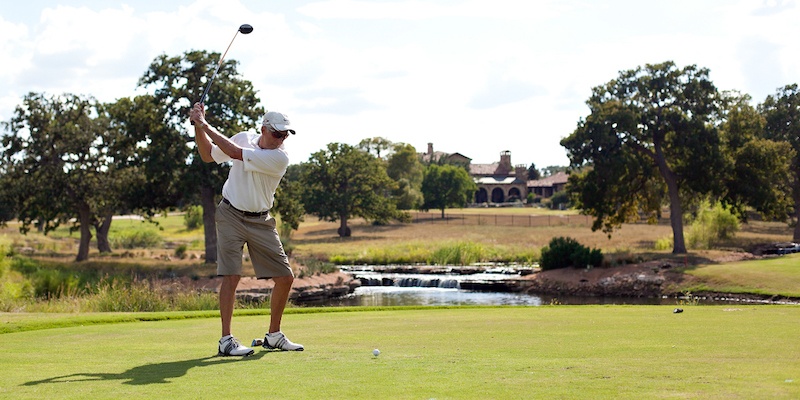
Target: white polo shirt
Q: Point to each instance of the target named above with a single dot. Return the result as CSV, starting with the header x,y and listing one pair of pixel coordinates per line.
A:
x,y
252,182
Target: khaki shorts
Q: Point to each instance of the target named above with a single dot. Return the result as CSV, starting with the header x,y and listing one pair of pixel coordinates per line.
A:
x,y
266,251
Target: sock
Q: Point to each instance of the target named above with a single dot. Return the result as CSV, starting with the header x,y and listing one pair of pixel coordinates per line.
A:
x,y
224,338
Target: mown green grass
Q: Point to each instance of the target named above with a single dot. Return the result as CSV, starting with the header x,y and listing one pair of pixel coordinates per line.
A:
x,y
770,276
582,352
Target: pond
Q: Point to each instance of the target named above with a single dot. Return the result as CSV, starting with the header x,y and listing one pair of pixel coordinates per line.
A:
x,y
447,289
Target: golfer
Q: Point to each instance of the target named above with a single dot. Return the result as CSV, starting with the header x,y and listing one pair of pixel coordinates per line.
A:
x,y
259,162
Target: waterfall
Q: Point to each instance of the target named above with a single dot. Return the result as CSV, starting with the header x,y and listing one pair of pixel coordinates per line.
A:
x,y
409,281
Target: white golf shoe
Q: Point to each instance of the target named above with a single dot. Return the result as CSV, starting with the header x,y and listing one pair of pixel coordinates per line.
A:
x,y
231,347
277,340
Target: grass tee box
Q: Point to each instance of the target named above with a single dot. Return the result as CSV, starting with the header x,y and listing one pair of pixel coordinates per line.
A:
x,y
621,352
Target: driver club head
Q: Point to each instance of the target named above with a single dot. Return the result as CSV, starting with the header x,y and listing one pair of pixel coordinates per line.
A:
x,y
246,28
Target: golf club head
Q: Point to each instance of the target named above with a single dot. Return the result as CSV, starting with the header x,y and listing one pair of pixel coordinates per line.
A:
x,y
246,28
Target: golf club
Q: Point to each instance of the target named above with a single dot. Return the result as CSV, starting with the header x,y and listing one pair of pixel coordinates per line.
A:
x,y
244,29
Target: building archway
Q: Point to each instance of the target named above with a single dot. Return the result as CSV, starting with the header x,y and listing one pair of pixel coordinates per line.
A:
x,y
513,194
481,196
498,196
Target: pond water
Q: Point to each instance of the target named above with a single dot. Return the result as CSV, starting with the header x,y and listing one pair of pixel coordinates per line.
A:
x,y
400,289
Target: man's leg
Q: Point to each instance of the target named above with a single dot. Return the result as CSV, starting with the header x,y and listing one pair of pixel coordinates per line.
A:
x,y
278,300
227,297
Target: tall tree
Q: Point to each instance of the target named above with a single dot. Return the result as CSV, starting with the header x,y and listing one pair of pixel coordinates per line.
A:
x,y
782,114
59,163
343,182
405,168
649,129
760,169
376,145
446,186
231,107
533,173
288,201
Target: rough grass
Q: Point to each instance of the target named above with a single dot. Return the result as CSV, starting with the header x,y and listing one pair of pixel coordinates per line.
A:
x,y
318,239
772,276
582,352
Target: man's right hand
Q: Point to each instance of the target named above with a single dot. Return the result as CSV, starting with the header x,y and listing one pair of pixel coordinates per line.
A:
x,y
198,114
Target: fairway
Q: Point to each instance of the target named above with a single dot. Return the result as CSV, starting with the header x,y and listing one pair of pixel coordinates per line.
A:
x,y
630,352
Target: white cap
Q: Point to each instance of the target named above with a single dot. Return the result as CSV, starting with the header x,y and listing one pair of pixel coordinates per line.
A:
x,y
278,121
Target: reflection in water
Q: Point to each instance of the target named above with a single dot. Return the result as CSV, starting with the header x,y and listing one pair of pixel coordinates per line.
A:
x,y
427,296
404,289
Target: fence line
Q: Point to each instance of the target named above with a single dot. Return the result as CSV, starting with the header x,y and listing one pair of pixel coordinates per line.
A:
x,y
435,217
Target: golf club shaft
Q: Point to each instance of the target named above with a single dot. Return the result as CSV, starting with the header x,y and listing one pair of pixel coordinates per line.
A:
x,y
205,92
208,86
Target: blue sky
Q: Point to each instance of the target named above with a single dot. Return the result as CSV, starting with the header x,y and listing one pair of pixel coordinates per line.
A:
x,y
474,77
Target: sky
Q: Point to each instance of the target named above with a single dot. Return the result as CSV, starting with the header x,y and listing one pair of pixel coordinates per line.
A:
x,y
477,77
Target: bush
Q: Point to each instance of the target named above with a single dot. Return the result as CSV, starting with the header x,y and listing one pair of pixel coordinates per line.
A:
x,y
567,252
193,218
180,251
711,225
560,200
139,238
664,243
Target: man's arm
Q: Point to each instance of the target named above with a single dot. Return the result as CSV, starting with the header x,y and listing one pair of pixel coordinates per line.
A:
x,y
204,134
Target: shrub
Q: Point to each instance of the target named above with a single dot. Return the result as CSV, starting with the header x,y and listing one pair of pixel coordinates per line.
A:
x,y
711,225
565,252
180,251
664,243
138,238
193,218
560,200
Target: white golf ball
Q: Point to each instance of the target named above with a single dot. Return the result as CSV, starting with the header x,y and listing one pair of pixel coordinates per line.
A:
x,y
376,352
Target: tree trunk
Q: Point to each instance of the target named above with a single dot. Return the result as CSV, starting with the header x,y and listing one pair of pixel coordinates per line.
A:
x,y
675,207
676,217
442,212
796,238
86,232
344,230
209,222
102,228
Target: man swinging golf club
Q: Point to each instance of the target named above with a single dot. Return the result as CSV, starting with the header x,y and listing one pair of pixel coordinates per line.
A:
x,y
259,162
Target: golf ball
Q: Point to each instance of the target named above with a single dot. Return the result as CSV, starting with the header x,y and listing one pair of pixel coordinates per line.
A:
x,y
376,352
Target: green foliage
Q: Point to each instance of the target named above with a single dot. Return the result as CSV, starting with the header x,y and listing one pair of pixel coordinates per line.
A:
x,y
650,140
446,186
782,114
288,201
711,225
48,283
664,243
760,174
144,296
13,285
343,182
141,237
193,217
66,141
455,253
461,253
559,200
533,173
563,252
232,106
180,251
314,266
405,168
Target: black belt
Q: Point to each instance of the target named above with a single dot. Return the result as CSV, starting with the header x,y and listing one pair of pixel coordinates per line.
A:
x,y
246,213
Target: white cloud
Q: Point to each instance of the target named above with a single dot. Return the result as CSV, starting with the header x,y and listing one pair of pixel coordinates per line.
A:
x,y
472,76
